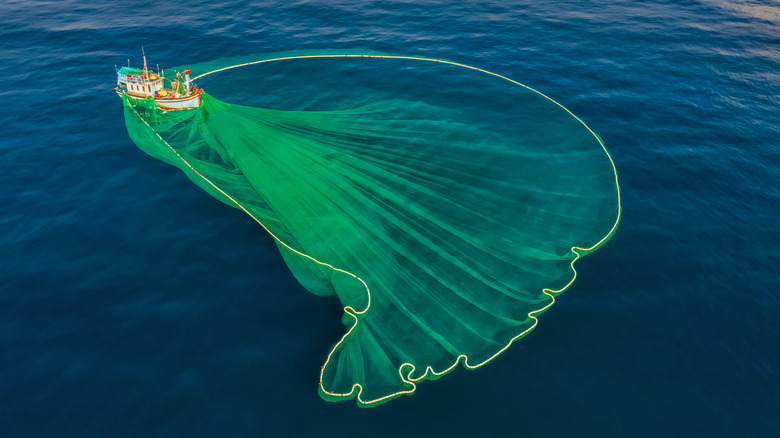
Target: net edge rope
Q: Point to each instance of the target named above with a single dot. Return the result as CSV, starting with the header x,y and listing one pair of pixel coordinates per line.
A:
x,y
407,378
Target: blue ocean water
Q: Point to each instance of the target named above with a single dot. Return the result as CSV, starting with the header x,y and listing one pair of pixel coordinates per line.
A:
x,y
133,304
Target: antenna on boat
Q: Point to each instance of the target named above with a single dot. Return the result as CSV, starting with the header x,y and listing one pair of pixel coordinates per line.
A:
x,y
144,53
158,69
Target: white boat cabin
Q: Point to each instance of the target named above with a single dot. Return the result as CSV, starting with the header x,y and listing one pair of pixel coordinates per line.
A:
x,y
139,83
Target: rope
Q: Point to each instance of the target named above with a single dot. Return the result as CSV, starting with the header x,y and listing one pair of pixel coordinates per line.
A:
x,y
407,377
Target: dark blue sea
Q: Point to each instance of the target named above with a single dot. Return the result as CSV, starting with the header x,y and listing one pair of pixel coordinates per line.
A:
x,y
134,304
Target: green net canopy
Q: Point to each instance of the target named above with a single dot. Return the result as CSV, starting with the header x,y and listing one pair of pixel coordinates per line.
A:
x,y
444,206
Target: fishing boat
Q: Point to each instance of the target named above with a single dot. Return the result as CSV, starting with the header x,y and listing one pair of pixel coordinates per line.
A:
x,y
142,84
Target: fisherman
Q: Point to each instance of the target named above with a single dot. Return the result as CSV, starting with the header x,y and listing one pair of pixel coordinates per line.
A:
x,y
176,85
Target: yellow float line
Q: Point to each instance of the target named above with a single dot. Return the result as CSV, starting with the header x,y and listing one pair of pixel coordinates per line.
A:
x,y
354,313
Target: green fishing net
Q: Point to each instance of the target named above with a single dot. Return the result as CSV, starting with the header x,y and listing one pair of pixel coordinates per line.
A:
x,y
443,205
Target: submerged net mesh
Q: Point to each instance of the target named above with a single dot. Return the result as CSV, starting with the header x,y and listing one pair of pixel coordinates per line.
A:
x,y
443,205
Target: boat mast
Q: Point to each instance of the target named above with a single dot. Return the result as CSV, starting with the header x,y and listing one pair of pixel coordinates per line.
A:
x,y
144,53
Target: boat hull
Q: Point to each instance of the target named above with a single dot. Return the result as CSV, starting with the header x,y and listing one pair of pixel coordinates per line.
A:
x,y
181,103
167,104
